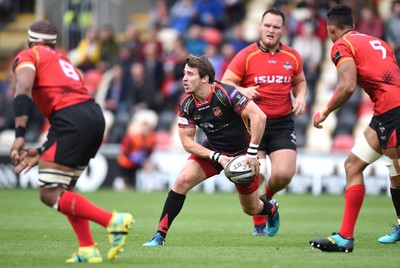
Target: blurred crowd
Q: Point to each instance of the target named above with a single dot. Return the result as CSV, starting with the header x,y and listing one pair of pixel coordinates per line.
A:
x,y
141,69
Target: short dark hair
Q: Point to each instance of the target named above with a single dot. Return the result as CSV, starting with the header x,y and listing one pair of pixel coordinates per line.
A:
x,y
43,27
274,11
203,65
341,16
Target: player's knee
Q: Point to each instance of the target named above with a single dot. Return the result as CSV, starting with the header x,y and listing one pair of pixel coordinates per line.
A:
x,y
393,165
250,210
184,183
52,182
50,196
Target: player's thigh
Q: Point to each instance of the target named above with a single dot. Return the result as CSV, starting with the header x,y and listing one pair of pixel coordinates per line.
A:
x,y
283,163
190,175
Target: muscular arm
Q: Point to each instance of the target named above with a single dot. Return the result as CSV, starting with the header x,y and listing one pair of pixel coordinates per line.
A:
x,y
347,76
25,78
257,121
299,93
190,145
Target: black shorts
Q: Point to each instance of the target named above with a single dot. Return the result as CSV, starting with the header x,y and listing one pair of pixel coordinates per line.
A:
x,y
279,134
75,135
387,127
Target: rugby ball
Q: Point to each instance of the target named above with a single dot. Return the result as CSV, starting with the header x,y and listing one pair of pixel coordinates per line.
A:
x,y
235,172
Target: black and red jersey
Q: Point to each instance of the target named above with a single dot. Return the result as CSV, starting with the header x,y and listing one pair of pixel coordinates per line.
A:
x,y
219,116
58,84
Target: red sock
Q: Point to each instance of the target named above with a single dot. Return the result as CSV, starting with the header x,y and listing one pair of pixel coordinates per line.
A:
x,y
72,203
269,193
82,230
353,200
259,220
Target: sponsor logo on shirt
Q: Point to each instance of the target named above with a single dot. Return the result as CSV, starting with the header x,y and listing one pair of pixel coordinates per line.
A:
x,y
278,79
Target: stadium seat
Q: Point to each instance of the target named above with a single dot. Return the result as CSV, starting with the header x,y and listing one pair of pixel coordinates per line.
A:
x,y
342,143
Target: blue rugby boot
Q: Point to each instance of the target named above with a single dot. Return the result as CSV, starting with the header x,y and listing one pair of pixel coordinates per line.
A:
x,y
156,240
260,230
333,243
391,238
273,223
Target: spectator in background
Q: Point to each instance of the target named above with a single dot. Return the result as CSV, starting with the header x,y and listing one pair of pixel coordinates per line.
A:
x,y
228,51
151,38
141,93
159,16
154,70
131,39
216,59
393,30
209,13
6,11
88,50
173,88
182,14
114,91
77,19
108,47
235,10
370,23
291,22
193,40
236,37
6,112
318,22
137,145
310,48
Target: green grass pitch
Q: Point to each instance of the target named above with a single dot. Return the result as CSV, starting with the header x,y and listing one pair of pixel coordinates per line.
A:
x,y
211,231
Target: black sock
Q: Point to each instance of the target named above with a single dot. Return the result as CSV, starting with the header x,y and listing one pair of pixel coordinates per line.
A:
x,y
172,206
395,193
268,209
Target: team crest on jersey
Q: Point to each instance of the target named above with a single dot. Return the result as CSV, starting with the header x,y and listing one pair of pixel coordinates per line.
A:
x,y
287,66
217,111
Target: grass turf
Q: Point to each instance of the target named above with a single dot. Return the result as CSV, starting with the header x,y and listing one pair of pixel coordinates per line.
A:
x,y
211,231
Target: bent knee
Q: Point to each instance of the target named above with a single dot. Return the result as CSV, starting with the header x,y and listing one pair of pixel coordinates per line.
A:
x,y
251,211
50,196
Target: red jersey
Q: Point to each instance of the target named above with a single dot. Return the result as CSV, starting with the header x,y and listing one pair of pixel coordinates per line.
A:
x,y
58,84
377,71
272,72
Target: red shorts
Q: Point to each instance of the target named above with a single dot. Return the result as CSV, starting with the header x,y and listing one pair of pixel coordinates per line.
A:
x,y
212,168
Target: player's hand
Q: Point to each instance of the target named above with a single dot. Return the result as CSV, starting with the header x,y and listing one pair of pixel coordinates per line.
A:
x,y
318,118
224,160
15,151
29,158
299,105
252,92
254,164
